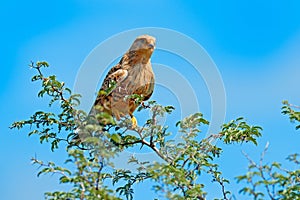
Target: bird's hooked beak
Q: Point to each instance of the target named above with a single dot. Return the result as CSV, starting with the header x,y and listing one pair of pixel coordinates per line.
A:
x,y
151,46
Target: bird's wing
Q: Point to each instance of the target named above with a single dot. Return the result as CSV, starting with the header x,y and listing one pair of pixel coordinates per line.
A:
x,y
113,78
119,75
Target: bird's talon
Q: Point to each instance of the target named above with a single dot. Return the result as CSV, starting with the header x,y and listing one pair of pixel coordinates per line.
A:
x,y
133,122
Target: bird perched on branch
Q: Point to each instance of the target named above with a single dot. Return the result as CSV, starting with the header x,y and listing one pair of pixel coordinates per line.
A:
x,y
130,79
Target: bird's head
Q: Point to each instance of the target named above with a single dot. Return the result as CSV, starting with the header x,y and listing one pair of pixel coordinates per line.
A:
x,y
145,43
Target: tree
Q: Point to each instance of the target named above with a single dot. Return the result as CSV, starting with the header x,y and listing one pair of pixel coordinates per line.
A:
x,y
92,145
273,181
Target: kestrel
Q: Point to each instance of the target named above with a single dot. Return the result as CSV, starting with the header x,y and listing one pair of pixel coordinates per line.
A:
x,y
132,76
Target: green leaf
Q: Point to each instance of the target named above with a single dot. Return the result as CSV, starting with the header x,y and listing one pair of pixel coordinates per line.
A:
x,y
116,138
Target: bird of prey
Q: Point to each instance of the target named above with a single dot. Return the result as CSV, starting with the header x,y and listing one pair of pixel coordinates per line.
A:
x,y
132,76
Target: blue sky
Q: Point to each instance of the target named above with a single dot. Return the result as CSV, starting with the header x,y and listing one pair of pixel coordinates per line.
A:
x,y
254,44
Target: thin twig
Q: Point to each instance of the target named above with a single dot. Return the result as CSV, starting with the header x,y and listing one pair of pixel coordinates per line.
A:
x,y
294,106
98,174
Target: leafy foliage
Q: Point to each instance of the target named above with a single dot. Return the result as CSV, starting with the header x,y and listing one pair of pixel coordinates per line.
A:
x,y
49,125
291,111
271,180
182,170
239,131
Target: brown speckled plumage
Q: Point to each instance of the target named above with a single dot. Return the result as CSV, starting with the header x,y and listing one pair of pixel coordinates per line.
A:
x,y
132,75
